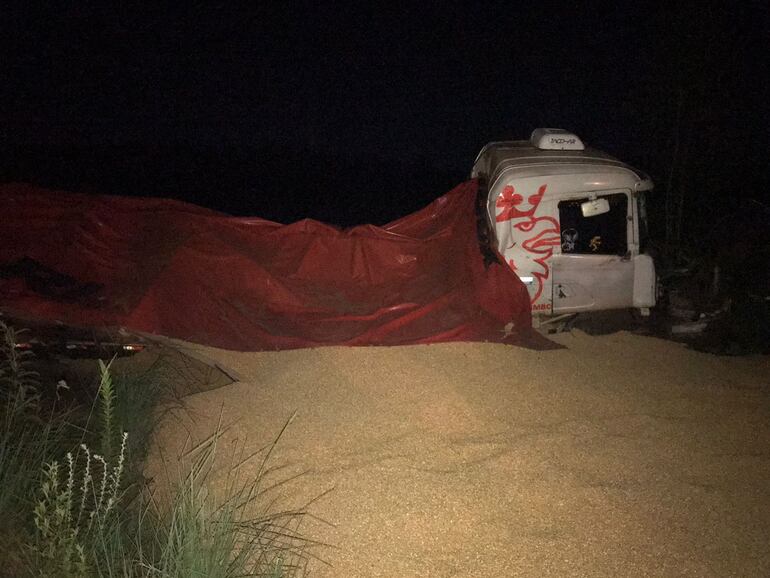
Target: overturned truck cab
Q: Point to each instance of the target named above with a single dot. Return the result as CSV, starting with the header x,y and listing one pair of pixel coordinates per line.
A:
x,y
570,221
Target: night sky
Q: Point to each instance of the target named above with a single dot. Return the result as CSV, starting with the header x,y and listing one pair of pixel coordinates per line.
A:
x,y
290,111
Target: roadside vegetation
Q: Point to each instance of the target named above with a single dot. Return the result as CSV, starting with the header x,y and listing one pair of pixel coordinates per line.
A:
x,y
74,501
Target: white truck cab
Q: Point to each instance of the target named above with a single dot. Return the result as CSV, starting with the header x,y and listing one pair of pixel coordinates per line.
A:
x,y
569,220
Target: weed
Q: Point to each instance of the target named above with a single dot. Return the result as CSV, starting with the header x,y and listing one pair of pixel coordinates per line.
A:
x,y
26,440
94,514
107,403
18,382
68,527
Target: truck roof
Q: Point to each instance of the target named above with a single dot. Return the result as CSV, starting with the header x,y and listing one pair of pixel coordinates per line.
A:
x,y
498,156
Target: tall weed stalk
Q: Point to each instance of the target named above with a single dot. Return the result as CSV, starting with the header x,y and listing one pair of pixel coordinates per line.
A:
x,y
107,408
18,381
26,440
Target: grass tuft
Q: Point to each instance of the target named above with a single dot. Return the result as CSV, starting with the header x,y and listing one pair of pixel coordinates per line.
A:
x,y
68,511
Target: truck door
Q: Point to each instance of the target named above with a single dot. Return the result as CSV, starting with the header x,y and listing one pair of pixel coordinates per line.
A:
x,y
593,268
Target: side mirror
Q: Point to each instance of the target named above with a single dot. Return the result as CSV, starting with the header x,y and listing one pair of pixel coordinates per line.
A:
x,y
595,207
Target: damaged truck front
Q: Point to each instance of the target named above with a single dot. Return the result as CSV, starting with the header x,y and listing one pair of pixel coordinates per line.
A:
x,y
570,221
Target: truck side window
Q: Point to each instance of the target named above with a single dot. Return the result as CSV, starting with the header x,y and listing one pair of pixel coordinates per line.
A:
x,y
598,235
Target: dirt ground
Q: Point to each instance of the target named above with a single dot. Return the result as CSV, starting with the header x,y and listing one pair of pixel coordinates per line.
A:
x,y
620,455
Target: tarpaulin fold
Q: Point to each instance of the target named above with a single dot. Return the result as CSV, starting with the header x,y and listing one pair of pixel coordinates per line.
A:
x,y
175,269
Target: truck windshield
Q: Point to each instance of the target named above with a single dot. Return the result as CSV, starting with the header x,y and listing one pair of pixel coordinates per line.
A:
x,y
603,234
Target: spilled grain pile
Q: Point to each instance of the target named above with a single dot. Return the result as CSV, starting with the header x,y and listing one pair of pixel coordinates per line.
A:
x,y
619,455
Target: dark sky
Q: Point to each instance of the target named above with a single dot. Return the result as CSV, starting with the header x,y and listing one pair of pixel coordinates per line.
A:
x,y
288,111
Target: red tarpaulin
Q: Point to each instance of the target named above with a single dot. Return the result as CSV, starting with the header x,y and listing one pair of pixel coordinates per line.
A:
x,y
171,268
